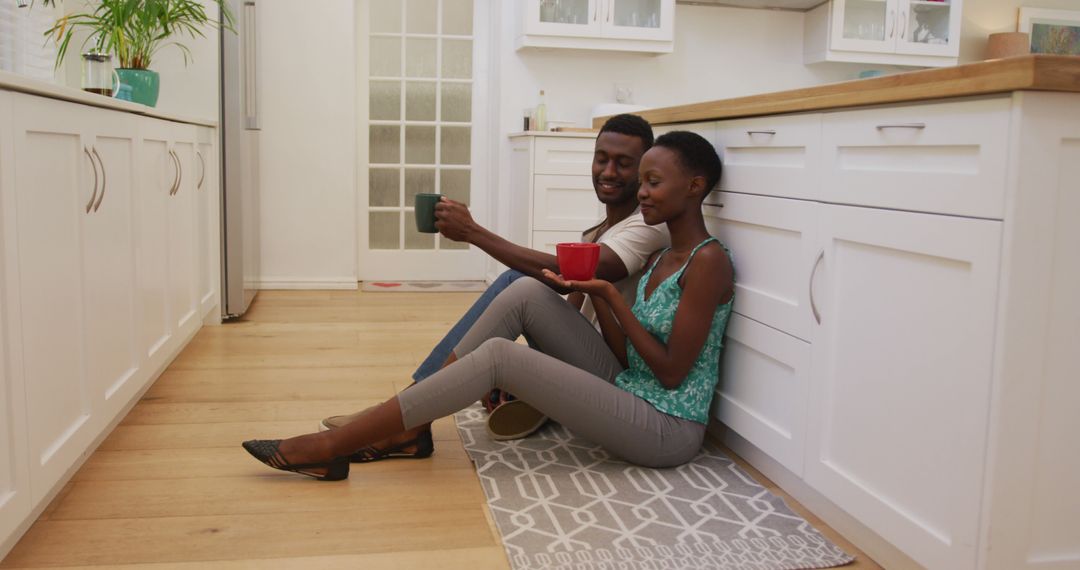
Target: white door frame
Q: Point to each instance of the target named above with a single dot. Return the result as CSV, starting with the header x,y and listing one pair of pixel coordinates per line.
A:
x,y
464,264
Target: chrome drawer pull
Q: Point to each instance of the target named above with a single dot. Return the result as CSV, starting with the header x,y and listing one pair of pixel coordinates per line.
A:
x,y
90,204
752,133
918,126
104,178
813,305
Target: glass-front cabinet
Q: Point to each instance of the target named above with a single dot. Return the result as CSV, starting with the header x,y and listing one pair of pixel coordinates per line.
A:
x,y
625,25
918,27
903,32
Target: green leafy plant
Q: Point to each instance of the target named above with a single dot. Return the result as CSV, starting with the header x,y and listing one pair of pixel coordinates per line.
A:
x,y
135,30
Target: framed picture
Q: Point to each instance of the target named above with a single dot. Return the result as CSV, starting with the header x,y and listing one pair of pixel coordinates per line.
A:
x,y
1051,31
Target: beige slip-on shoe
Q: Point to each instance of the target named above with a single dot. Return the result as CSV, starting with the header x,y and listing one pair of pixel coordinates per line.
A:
x,y
334,422
514,420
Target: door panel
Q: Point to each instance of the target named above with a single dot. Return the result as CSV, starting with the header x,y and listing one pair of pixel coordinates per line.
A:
x,y
53,185
901,375
157,175
182,271
774,250
108,264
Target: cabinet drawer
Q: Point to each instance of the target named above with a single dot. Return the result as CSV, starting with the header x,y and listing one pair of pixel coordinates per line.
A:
x,y
571,156
546,241
774,156
772,245
947,158
565,203
764,388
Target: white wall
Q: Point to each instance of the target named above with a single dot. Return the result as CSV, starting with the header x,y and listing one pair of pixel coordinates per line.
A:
x,y
308,145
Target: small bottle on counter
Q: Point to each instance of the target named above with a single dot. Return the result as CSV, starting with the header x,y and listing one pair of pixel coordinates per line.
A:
x,y
527,118
539,122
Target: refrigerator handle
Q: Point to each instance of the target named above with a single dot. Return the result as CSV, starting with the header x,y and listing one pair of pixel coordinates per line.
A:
x,y
250,31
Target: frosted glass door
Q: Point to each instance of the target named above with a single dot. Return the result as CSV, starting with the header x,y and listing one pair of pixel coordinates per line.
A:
x,y
865,25
639,19
574,18
929,27
419,136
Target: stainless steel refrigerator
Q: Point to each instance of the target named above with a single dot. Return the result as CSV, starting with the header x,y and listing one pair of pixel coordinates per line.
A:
x,y
240,159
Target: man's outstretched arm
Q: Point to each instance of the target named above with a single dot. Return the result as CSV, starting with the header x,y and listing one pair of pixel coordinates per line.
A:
x,y
454,221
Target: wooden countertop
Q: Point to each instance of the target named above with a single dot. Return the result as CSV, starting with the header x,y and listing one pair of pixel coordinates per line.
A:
x,y
1024,73
22,84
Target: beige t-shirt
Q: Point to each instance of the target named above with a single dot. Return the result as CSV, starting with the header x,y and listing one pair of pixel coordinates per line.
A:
x,y
633,241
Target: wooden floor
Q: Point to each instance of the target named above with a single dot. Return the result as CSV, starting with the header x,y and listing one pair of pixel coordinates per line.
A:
x,y
171,488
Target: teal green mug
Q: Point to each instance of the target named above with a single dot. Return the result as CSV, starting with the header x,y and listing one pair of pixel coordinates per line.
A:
x,y
425,212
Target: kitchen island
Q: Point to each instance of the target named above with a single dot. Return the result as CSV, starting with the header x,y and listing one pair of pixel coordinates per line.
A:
x,y
902,357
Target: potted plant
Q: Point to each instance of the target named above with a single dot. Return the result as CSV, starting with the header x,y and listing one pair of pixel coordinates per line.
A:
x,y
134,31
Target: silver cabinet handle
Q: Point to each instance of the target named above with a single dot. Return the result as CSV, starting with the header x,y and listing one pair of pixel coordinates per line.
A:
x,y
917,126
202,171
90,204
610,10
104,178
903,24
813,305
892,28
596,10
768,132
176,179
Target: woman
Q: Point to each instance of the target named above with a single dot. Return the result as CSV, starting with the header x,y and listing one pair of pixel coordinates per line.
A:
x,y
642,391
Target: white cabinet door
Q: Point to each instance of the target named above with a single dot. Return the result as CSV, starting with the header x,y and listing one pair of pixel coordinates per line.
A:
x,y
565,203
901,371
15,500
639,19
929,27
774,249
568,18
864,25
207,221
945,158
546,241
54,184
158,176
182,246
108,249
772,156
763,389
563,155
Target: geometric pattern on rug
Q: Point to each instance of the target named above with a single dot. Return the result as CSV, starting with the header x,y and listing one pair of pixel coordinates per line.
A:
x,y
423,286
560,501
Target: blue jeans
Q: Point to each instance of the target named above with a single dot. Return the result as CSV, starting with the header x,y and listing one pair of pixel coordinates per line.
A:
x,y
442,351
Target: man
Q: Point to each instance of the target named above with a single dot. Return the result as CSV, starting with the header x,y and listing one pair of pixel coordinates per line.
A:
x,y
626,242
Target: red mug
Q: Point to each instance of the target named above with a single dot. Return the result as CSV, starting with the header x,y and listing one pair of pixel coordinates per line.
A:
x,y
577,261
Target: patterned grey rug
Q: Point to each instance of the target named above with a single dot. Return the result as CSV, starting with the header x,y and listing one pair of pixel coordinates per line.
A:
x,y
562,502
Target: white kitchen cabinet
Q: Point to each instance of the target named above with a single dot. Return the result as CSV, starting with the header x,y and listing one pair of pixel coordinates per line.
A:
x,y
894,32
773,156
102,276
618,25
906,304
552,198
15,499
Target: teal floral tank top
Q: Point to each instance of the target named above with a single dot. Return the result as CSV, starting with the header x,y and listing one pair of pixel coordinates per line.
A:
x,y
692,398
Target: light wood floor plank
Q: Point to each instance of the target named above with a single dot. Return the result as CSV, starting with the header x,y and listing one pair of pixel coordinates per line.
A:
x,y
171,489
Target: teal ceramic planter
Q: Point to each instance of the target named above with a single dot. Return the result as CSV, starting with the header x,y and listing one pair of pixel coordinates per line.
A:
x,y
144,84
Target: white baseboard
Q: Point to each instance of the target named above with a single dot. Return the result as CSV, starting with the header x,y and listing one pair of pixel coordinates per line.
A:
x,y
293,283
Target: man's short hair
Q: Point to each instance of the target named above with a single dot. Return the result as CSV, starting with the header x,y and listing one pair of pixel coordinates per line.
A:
x,y
696,154
630,125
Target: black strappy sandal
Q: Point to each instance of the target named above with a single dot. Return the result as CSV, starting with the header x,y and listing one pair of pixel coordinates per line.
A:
x,y
266,451
424,448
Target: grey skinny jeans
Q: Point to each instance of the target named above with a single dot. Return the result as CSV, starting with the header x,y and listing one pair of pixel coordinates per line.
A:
x,y
570,377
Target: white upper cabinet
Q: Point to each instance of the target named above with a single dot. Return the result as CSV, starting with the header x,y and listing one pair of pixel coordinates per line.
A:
x,y
617,25
896,32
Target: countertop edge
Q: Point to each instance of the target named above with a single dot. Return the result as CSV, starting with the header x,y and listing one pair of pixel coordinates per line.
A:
x,y
18,83
1024,73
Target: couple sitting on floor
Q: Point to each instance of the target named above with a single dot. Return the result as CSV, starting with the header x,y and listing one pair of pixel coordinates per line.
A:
x,y
641,387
